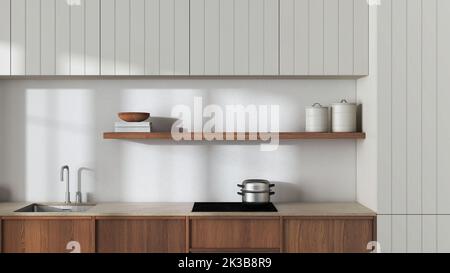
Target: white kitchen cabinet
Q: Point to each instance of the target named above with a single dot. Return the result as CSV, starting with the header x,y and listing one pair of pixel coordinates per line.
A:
x,y
5,37
145,37
324,37
184,37
231,37
54,37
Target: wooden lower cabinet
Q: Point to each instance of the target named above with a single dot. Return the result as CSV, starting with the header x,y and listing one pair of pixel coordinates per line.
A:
x,y
49,235
222,234
327,235
141,235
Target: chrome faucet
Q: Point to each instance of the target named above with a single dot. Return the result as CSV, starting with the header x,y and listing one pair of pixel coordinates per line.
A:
x,y
67,183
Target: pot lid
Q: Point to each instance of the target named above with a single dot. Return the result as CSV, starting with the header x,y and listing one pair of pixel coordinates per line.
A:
x,y
252,181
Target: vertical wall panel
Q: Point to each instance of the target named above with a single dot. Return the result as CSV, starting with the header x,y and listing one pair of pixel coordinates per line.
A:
x,y
443,234
226,37
413,115
198,36
414,111
384,232
399,102
443,109
5,37
385,107
122,38
48,14
92,37
152,37
414,233
77,42
241,37
62,36
346,42
108,39
399,232
429,99
33,37
271,37
167,37
331,37
256,37
212,37
361,47
316,28
181,32
137,37
429,236
301,37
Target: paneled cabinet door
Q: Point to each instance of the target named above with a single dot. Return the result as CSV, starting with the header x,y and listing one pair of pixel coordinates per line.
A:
x,y
229,37
5,38
141,235
327,235
324,37
145,37
54,37
38,235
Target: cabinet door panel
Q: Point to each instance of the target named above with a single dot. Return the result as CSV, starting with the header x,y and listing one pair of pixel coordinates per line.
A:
x,y
122,37
5,37
235,233
327,235
62,38
324,37
18,37
141,235
43,236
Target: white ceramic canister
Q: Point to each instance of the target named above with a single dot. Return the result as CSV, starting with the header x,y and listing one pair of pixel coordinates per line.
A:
x,y
343,117
317,119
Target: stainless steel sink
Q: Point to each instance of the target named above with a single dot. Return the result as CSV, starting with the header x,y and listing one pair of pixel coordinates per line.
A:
x,y
56,208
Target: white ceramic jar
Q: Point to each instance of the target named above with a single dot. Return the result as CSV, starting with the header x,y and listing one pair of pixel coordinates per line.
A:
x,y
316,119
343,117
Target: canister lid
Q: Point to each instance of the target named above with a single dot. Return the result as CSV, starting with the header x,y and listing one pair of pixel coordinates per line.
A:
x,y
316,106
344,102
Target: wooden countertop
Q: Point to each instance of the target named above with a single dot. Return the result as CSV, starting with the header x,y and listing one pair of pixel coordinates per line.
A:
x,y
184,209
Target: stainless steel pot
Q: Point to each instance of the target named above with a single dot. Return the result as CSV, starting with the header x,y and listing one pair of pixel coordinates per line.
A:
x,y
255,196
256,185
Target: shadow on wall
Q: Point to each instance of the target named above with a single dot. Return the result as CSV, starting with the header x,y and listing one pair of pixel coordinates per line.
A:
x,y
12,143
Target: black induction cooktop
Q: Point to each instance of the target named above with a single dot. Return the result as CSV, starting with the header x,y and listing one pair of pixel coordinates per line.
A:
x,y
233,207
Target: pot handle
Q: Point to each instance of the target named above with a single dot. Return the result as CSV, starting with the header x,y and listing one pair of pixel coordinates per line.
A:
x,y
240,186
240,193
271,185
271,193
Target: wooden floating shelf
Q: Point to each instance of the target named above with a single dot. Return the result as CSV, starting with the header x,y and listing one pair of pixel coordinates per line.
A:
x,y
243,136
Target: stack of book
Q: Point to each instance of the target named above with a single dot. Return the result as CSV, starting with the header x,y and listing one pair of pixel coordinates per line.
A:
x,y
132,127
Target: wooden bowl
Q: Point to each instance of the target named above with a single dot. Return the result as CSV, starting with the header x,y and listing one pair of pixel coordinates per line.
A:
x,y
134,116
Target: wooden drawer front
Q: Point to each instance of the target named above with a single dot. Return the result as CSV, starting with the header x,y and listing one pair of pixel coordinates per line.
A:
x,y
235,234
141,236
36,236
327,235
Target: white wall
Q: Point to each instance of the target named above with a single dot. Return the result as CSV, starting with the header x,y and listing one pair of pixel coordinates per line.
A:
x,y
48,123
414,131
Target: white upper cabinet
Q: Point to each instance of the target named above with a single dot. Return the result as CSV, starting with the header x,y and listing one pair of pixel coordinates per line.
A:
x,y
53,37
184,37
5,37
324,37
230,37
145,37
